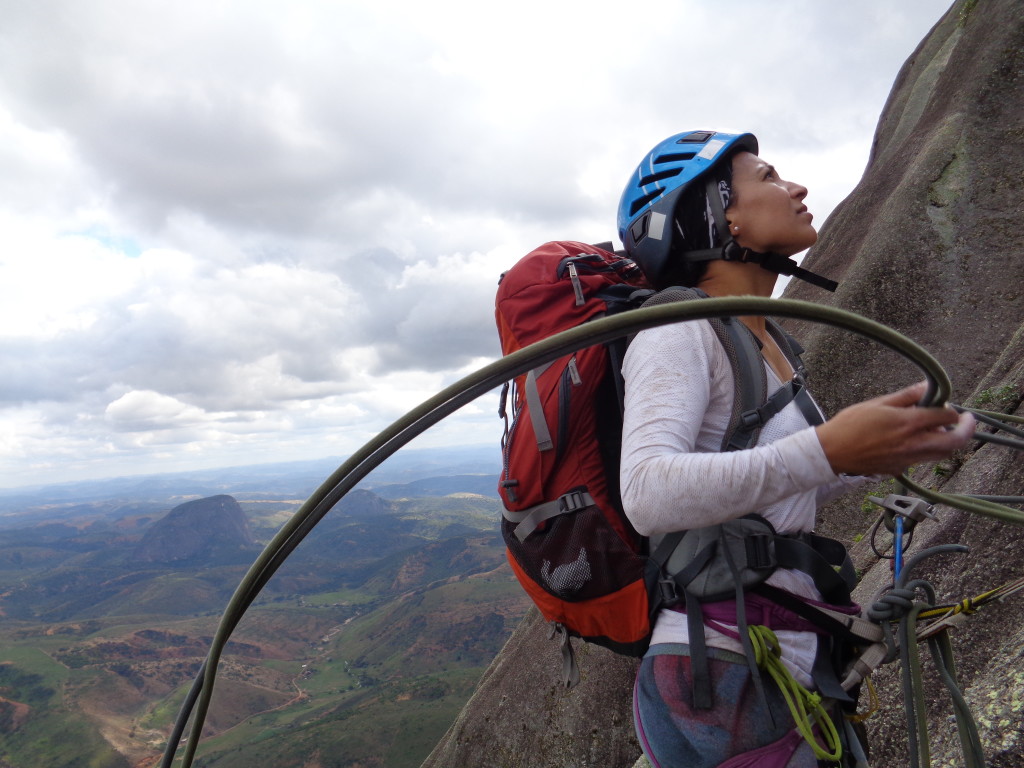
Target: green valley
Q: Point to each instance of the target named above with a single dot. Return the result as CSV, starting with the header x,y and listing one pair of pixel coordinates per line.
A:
x,y
359,652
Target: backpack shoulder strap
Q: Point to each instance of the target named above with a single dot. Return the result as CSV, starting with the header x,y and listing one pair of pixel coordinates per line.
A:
x,y
790,347
793,351
751,384
744,354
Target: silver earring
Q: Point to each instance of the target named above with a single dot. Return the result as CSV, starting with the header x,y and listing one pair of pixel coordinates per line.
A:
x,y
736,229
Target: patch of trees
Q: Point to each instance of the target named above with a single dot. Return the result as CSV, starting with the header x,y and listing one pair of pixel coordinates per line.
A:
x,y
26,687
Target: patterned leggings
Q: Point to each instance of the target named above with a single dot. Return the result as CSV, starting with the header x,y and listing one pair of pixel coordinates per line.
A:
x,y
674,735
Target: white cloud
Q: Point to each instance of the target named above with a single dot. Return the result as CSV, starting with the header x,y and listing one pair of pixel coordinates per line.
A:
x,y
144,410
233,232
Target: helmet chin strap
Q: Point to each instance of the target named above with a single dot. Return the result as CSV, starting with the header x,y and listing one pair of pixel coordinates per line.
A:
x,y
733,251
777,263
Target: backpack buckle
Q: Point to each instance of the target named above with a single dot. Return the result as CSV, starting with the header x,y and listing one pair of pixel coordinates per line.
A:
x,y
752,418
669,592
759,551
573,500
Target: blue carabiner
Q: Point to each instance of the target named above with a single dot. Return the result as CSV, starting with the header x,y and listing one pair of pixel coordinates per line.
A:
x,y
897,542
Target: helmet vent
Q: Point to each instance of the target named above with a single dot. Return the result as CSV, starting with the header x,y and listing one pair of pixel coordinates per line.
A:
x,y
659,176
640,202
697,137
675,157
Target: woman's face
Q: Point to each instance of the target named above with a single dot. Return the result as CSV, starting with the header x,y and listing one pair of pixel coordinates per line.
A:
x,y
768,211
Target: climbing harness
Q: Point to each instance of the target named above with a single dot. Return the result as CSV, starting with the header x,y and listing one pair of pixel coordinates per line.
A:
x,y
195,707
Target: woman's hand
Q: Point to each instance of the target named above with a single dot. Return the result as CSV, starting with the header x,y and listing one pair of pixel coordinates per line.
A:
x,y
886,435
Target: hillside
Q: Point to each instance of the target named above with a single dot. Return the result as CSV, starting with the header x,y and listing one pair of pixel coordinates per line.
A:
x,y
382,620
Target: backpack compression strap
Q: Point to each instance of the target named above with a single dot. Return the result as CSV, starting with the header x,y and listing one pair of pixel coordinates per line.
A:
x,y
536,409
527,520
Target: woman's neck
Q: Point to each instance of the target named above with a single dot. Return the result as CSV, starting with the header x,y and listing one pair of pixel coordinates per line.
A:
x,y
732,278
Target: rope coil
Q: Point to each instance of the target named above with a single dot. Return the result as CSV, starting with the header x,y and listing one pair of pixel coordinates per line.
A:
x,y
492,376
804,706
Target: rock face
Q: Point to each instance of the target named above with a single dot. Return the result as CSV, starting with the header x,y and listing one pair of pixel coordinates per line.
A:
x,y
521,715
207,530
929,243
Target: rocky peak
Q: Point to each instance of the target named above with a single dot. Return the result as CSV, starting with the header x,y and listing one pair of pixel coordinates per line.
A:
x,y
206,530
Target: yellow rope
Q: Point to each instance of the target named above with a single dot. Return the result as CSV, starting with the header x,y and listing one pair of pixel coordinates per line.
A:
x,y
803,705
873,704
966,606
970,605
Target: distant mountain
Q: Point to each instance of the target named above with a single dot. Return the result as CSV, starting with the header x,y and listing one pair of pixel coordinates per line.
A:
x,y
484,485
144,494
209,530
360,503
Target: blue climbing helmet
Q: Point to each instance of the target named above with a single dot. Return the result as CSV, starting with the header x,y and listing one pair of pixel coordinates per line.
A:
x,y
647,210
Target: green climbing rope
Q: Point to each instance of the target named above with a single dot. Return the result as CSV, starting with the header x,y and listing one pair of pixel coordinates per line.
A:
x,y
436,408
804,705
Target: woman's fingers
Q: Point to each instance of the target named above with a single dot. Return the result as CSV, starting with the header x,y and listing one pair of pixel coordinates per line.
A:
x,y
948,439
907,396
887,434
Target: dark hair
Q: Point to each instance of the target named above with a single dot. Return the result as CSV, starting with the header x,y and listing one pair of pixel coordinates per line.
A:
x,y
694,227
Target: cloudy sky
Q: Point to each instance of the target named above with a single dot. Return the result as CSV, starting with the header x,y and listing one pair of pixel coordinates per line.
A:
x,y
242,231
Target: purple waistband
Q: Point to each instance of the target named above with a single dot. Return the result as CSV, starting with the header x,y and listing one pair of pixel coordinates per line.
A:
x,y
721,614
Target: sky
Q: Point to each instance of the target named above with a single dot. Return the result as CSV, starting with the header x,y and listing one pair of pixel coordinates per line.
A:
x,y
241,231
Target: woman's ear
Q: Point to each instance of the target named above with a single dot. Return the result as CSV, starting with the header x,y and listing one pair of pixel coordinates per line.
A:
x,y
731,217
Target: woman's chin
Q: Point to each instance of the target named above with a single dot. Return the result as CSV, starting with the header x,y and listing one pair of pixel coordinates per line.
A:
x,y
799,246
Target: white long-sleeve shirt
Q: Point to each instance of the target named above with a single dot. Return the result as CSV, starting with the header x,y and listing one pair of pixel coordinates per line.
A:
x,y
679,397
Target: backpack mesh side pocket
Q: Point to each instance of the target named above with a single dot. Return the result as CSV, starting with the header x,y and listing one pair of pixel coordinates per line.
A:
x,y
575,556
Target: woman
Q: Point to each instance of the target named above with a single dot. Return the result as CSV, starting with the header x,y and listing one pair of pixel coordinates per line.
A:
x,y
704,210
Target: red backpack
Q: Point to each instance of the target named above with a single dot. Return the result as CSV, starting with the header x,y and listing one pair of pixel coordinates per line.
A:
x,y
569,543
